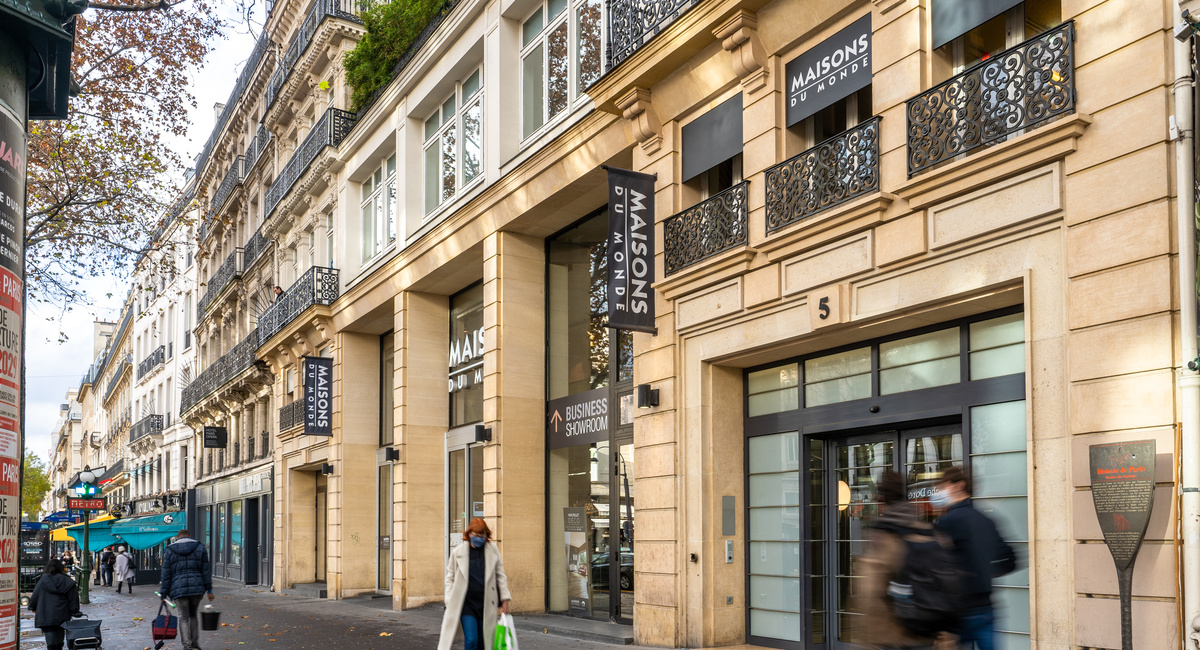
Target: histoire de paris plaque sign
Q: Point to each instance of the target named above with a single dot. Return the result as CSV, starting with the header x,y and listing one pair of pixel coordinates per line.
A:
x,y
1123,494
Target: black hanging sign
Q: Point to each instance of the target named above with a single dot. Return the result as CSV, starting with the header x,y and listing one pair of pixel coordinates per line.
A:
x,y
1123,495
630,250
318,396
577,419
216,437
836,68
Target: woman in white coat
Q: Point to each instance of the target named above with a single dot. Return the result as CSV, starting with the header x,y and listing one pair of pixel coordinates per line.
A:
x,y
124,570
475,582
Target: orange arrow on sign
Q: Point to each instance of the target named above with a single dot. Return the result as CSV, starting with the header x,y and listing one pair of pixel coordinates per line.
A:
x,y
555,419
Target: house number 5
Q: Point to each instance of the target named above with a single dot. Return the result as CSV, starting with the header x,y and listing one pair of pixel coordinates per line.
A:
x,y
823,307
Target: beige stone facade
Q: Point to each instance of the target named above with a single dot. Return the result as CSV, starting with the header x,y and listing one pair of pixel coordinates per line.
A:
x,y
1066,222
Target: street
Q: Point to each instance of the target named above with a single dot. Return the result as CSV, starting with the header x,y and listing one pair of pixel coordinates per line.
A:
x,y
252,618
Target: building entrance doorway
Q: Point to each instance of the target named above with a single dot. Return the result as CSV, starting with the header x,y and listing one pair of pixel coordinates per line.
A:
x,y
464,481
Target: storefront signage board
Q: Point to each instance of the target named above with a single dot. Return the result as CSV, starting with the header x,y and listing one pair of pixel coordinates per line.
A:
x,y
12,298
836,68
1122,476
630,250
577,419
216,437
318,396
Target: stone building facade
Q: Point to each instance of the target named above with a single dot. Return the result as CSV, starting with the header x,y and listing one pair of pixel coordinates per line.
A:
x,y
889,233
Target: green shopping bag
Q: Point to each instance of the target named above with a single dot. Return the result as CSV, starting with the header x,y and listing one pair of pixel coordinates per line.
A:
x,y
506,634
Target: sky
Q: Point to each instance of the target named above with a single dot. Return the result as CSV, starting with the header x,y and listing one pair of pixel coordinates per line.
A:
x,y
53,368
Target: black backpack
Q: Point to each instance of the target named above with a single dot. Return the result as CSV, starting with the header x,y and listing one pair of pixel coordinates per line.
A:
x,y
925,593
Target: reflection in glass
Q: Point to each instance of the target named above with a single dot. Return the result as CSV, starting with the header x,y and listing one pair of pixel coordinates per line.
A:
x,y
432,178
472,162
774,536
235,532
384,528
588,49
458,477
578,309
556,81
579,479
449,160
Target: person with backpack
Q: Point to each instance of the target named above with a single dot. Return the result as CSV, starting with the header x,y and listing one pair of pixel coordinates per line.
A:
x,y
126,568
186,579
980,554
908,586
55,601
108,560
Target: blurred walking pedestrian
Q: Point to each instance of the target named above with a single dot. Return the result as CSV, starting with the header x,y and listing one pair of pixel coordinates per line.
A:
x,y
108,560
55,601
186,579
474,581
981,553
126,569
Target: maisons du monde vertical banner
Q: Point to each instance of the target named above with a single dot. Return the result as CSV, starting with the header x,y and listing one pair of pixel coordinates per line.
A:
x,y
630,250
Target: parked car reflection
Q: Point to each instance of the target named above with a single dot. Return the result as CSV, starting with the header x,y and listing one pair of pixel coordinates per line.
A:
x,y
600,571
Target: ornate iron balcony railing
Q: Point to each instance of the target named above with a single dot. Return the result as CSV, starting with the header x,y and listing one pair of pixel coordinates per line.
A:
x,y
320,10
993,100
632,23
233,178
223,370
156,358
231,268
239,87
255,148
291,415
330,130
116,377
710,227
318,286
151,425
833,172
253,249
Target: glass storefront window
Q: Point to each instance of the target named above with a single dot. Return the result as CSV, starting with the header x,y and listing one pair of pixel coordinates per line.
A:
x,y
221,531
579,522
466,357
387,388
774,390
458,482
917,362
384,521
837,377
235,532
997,347
774,559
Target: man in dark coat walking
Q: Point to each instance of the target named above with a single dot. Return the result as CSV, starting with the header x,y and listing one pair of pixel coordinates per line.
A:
x,y
186,578
108,560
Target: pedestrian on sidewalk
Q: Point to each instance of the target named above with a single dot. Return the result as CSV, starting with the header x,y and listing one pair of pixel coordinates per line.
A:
x,y
125,569
981,553
107,561
186,579
475,580
55,601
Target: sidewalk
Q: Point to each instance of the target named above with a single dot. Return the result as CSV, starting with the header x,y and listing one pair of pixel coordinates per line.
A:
x,y
253,618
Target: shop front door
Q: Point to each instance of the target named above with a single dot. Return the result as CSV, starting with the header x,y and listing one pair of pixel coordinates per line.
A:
x,y
321,521
266,549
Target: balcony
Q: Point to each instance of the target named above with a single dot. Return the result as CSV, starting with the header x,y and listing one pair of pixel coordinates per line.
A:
x,y
151,425
1002,97
223,370
255,149
320,10
261,48
231,268
291,415
150,363
318,286
233,178
710,227
253,249
633,23
830,174
329,131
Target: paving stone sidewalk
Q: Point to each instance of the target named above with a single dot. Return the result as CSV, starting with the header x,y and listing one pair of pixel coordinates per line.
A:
x,y
254,619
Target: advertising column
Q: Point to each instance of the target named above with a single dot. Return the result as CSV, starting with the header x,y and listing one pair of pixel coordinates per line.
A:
x,y
12,255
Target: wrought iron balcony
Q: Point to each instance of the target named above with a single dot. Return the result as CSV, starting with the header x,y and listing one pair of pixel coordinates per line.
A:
x,y
125,364
233,178
231,268
154,360
632,23
318,286
833,172
151,425
710,227
1004,96
239,87
317,14
223,370
253,249
329,131
291,415
255,148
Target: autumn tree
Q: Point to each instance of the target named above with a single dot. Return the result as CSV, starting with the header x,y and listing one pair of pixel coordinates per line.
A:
x,y
34,486
101,181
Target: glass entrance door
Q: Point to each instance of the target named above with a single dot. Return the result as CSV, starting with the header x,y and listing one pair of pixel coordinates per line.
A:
x,y
464,499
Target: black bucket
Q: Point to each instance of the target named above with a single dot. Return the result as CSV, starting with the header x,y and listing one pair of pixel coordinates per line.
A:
x,y
210,619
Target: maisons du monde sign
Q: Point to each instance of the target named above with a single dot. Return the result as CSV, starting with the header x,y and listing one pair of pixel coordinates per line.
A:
x,y
836,68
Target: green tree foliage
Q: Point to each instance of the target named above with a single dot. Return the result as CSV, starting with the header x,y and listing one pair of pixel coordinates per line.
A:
x,y
34,486
392,28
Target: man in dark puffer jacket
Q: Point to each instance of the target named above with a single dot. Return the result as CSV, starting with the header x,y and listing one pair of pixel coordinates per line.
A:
x,y
186,578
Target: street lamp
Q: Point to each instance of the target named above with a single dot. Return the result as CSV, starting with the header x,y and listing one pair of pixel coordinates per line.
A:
x,y
88,491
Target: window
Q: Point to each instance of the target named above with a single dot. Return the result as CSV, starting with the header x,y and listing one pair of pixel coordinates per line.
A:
x,y
561,55
449,164
1010,28
378,210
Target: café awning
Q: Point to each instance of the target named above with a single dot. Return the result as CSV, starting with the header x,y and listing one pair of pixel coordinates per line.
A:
x,y
150,530
99,533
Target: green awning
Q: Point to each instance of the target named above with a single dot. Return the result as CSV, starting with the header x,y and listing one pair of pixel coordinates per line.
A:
x,y
151,530
99,533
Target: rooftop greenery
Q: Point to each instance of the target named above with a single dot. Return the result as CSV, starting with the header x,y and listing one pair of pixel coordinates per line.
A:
x,y
392,30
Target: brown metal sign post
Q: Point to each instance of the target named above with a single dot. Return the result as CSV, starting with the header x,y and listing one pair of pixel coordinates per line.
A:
x,y
1123,494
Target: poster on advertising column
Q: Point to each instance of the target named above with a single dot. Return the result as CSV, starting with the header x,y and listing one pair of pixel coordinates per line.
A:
x,y
318,396
630,250
12,295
